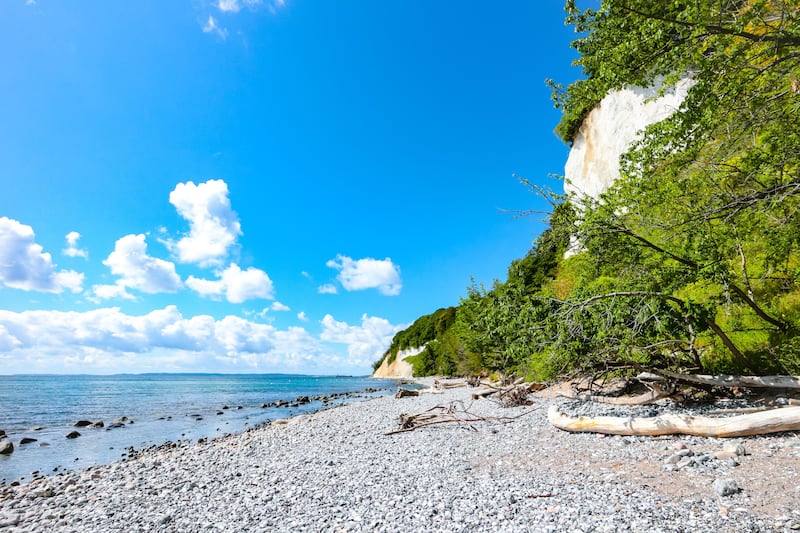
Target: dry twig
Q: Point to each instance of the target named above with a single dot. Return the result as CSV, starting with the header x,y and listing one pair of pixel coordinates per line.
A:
x,y
453,413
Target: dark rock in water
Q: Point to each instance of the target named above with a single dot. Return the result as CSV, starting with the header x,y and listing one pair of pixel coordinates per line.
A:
x,y
37,428
120,420
98,424
2,433
116,425
264,405
27,440
6,448
73,435
303,399
82,423
225,407
220,413
238,407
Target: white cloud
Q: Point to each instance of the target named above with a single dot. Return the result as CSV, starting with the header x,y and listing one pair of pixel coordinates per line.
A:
x,y
107,292
365,343
302,316
277,306
213,225
236,284
24,265
228,5
367,273
106,340
72,249
328,288
212,26
137,270
306,275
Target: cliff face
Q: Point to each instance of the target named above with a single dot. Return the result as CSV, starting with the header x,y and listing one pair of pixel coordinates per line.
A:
x,y
399,368
609,130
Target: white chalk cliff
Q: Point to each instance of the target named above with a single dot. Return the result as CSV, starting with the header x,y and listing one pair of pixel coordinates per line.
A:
x,y
610,129
398,368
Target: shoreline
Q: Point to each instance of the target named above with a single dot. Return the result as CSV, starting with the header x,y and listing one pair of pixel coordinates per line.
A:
x,y
106,435
336,469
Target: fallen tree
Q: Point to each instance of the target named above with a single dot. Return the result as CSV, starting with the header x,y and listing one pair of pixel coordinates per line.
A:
x,y
724,380
772,421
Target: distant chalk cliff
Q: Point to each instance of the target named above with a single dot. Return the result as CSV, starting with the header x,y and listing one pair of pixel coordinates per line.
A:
x,y
398,368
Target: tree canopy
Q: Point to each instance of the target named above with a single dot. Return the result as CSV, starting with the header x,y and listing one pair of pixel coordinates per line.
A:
x,y
692,258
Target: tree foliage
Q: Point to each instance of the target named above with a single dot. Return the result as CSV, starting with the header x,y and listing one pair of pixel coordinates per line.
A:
x,y
692,257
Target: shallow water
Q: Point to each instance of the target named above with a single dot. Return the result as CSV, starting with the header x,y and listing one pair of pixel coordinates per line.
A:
x,y
163,407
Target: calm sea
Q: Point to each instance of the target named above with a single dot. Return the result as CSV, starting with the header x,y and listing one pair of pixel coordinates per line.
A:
x,y
163,407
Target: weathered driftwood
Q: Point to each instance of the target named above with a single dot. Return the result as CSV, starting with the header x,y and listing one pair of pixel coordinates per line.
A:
x,y
651,396
454,384
454,413
483,393
772,421
403,393
518,388
724,380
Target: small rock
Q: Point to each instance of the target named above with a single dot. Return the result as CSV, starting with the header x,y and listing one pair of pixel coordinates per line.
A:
x,y
26,440
6,448
680,445
82,423
98,424
73,435
2,433
735,448
725,487
724,455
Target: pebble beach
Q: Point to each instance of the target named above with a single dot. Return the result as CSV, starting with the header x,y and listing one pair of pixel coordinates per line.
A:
x,y
337,470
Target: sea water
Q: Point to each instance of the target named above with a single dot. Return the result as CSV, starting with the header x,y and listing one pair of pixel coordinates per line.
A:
x,y
158,408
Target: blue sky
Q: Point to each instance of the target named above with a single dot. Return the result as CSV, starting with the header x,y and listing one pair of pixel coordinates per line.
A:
x,y
261,186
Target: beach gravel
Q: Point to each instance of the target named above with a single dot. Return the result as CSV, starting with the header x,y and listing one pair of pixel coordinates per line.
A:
x,y
336,470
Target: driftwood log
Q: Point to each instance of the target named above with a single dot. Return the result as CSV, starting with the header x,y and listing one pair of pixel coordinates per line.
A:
x,y
724,380
656,393
772,421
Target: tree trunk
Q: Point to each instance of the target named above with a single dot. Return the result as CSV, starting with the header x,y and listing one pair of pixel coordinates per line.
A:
x,y
772,421
724,380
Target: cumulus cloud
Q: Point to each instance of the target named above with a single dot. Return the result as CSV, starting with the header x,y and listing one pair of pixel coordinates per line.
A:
x,y
367,273
277,306
302,316
328,288
365,343
213,225
107,340
72,249
235,284
108,292
228,5
24,265
137,270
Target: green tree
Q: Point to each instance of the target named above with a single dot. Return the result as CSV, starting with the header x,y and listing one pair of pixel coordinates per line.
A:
x,y
704,219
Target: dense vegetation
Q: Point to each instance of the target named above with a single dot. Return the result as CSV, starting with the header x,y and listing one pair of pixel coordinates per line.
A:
x,y
691,259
